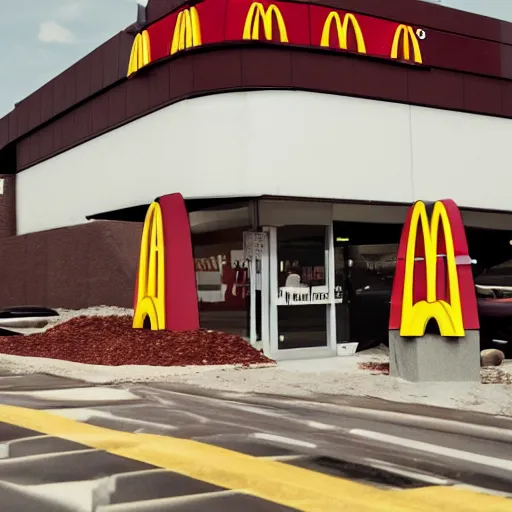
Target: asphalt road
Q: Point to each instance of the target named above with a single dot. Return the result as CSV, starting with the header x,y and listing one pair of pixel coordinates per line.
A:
x,y
68,446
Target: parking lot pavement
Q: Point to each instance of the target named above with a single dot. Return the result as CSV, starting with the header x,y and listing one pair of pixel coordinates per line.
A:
x,y
9,382
69,446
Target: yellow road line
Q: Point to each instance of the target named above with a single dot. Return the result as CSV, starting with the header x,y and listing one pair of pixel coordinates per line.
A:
x,y
273,481
441,499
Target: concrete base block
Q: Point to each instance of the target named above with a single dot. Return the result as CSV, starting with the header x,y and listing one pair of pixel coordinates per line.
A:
x,y
434,358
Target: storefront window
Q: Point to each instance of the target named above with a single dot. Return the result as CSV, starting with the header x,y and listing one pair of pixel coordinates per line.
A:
x,y
222,277
302,286
341,289
371,272
365,262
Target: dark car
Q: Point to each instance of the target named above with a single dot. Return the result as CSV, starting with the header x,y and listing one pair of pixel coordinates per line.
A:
x,y
370,315
23,316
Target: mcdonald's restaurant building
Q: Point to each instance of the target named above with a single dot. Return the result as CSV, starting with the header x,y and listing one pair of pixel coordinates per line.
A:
x,y
298,134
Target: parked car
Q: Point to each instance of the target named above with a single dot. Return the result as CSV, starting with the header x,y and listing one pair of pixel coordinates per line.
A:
x,y
22,317
370,315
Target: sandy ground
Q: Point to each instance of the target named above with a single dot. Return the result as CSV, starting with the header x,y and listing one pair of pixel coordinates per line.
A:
x,y
342,376
303,378
334,376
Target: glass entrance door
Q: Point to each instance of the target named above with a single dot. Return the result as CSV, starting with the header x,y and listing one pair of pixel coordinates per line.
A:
x,y
302,287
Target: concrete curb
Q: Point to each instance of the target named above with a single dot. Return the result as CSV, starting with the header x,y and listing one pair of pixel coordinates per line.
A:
x,y
488,433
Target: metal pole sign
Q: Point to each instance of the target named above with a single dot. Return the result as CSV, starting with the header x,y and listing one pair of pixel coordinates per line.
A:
x,y
254,245
248,242
259,245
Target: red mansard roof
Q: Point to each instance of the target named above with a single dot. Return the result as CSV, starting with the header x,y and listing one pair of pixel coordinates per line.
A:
x,y
474,46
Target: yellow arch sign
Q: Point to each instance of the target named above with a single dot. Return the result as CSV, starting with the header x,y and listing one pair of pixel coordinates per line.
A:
x,y
151,280
252,22
187,32
448,315
141,53
342,30
408,37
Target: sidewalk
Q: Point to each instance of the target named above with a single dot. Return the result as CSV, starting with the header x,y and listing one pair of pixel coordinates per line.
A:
x,y
325,379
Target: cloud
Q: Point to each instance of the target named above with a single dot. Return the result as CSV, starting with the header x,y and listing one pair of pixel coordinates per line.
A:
x,y
52,32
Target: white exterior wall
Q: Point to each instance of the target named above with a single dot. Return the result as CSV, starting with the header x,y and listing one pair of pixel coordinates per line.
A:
x,y
286,143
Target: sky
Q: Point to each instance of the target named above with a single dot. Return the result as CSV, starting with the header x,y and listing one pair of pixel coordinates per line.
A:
x,y
501,9
41,38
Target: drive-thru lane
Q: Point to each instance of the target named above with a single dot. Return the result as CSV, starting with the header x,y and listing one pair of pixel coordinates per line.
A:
x,y
68,446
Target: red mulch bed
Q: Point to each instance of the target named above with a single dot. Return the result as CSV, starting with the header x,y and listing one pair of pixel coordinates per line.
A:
x,y
112,341
375,367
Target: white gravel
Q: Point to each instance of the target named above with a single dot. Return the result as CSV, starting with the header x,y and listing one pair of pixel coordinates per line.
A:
x,y
333,376
68,314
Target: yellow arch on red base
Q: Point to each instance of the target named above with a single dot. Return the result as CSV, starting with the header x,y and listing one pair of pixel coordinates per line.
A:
x,y
151,281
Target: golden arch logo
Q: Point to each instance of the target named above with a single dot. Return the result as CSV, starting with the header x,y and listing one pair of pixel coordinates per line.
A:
x,y
252,22
141,53
151,278
187,32
342,30
415,316
406,33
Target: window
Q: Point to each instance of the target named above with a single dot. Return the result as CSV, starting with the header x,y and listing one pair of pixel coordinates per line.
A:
x,y
222,278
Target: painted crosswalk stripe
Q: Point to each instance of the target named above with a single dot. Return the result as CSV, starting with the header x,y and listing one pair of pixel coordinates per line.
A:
x,y
273,481
435,449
